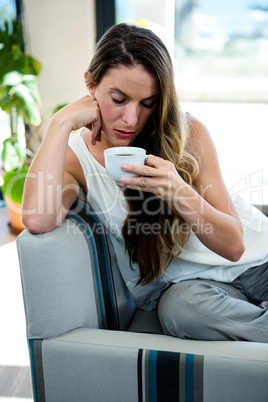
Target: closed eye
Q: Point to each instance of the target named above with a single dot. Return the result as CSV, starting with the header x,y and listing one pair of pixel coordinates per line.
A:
x,y
118,102
147,106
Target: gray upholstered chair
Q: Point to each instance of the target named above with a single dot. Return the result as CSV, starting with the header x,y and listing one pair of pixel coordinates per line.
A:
x,y
78,314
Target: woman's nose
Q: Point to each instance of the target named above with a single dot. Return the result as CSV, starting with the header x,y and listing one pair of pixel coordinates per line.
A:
x,y
130,115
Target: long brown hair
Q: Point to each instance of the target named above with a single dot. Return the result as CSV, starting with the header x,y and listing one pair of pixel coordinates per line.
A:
x,y
152,229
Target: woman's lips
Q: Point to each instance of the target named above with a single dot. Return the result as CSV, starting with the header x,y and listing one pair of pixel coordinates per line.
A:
x,y
124,134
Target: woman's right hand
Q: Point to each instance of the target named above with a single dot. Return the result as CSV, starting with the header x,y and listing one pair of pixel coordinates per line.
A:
x,y
83,112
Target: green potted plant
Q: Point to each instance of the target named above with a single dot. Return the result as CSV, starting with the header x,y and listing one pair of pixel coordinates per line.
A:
x,y
20,98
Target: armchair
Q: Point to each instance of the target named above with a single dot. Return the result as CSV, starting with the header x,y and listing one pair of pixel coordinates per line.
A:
x,y
80,327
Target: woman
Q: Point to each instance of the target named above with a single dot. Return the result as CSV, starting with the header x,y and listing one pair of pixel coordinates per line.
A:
x,y
195,243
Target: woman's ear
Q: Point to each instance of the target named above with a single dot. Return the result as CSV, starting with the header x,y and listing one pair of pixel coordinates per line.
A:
x,y
90,85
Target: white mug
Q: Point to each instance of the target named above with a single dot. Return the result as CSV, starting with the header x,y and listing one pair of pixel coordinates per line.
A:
x,y
115,157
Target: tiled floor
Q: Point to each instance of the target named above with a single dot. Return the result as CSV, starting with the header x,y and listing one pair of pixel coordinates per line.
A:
x,y
15,385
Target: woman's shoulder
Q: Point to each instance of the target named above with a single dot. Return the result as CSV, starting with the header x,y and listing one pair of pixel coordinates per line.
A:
x,y
198,136
78,143
195,127
82,151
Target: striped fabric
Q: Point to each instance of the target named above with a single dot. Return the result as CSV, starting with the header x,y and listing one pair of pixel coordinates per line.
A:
x,y
161,376
84,365
167,376
35,349
94,234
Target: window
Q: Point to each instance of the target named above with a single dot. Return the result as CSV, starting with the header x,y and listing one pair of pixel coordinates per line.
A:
x,y
8,10
221,49
221,66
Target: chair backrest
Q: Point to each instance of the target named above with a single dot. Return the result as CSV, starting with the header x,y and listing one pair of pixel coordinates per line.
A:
x,y
70,278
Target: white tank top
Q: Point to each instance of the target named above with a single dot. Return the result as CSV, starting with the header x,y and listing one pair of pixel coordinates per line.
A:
x,y
195,261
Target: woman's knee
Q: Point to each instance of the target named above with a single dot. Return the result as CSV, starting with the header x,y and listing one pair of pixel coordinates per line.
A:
x,y
176,309
192,309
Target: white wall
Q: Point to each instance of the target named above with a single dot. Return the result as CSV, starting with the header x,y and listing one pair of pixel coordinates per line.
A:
x,y
61,35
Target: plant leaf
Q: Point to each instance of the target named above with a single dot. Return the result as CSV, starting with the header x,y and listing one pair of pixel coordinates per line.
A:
x,y
12,78
12,155
28,105
14,183
12,57
30,81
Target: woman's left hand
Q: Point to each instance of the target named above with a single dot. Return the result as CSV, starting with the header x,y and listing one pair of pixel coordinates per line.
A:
x,y
158,176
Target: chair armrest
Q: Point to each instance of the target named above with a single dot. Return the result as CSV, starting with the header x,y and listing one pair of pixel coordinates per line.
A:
x,y
56,281
70,278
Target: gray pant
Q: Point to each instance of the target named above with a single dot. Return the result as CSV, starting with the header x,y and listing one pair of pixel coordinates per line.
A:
x,y
209,310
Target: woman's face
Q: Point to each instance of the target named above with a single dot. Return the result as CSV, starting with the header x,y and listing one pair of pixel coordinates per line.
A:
x,y
127,97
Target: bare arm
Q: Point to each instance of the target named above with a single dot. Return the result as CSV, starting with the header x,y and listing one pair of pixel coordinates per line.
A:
x,y
207,208
55,175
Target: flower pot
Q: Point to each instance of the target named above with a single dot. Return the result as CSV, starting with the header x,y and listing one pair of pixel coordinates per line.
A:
x,y
14,213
